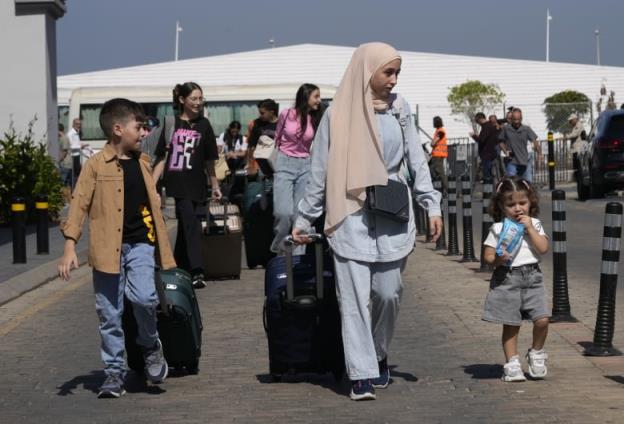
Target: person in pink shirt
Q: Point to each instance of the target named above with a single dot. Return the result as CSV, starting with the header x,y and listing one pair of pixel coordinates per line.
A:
x,y
295,131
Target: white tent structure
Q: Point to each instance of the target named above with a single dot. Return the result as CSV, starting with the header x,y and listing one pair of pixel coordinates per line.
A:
x,y
424,81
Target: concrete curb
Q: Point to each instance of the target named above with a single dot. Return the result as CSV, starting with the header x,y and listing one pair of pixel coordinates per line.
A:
x,y
21,284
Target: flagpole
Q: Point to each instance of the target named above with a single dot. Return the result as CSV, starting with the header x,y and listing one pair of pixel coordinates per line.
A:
x,y
548,19
177,39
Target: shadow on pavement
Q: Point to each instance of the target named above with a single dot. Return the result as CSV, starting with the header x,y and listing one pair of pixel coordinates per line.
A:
x,y
402,375
92,381
484,371
616,378
89,382
324,380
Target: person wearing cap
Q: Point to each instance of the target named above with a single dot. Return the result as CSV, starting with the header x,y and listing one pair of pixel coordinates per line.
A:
x,y
576,139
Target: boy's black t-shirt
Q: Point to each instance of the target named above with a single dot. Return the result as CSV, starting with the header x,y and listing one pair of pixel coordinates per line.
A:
x,y
192,144
261,128
138,226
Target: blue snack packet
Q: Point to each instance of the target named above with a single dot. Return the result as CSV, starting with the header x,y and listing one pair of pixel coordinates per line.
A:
x,y
510,238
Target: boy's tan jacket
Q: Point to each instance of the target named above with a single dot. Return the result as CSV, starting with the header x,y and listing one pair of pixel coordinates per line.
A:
x,y
99,193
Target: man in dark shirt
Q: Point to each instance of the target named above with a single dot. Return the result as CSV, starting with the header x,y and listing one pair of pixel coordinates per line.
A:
x,y
487,141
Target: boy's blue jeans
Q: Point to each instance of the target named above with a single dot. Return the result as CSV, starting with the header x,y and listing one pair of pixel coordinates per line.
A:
x,y
135,281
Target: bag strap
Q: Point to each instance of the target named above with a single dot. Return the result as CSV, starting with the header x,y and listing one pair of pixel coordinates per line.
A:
x,y
402,118
169,129
281,129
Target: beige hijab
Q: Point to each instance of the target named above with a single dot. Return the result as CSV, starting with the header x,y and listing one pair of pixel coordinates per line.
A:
x,y
355,150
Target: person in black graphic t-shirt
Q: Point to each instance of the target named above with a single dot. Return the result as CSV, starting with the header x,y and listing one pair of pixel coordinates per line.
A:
x,y
187,160
266,123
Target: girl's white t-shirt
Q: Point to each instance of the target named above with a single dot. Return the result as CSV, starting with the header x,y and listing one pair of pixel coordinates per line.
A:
x,y
526,255
240,146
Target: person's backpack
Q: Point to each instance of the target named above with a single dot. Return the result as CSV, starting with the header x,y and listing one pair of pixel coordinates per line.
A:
x,y
149,143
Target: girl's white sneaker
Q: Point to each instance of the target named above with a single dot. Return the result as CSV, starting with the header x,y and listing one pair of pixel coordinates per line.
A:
x,y
512,370
537,363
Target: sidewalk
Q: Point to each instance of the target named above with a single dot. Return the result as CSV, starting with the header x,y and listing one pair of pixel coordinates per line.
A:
x,y
17,279
446,363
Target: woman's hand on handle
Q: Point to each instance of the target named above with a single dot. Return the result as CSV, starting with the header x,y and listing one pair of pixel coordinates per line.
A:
x,y
435,228
300,236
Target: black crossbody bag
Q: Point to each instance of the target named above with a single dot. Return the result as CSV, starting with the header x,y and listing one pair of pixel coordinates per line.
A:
x,y
391,200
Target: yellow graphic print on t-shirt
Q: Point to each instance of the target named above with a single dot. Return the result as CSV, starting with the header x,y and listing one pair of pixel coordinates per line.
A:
x,y
149,223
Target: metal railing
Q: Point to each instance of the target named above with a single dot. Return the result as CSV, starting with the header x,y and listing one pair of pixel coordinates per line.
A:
x,y
464,159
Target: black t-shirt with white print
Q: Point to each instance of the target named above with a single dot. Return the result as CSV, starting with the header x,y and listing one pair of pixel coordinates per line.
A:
x,y
192,144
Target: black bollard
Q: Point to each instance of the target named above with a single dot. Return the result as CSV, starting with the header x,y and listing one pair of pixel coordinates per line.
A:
x,y
43,217
441,243
469,255
486,221
18,218
551,161
453,248
561,300
605,319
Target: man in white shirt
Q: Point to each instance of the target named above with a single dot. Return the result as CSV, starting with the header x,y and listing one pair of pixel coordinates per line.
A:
x,y
76,146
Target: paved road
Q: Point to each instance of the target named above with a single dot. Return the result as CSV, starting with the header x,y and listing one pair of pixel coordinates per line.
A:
x,y
445,361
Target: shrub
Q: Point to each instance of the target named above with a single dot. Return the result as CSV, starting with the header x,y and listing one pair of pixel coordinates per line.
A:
x,y
27,170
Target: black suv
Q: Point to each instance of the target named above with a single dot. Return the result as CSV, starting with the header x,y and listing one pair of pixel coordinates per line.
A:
x,y
600,166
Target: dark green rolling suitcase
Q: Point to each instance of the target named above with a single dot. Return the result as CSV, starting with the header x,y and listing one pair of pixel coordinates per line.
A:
x,y
179,323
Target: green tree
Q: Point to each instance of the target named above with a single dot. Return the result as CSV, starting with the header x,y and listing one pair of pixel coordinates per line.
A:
x,y
560,106
473,96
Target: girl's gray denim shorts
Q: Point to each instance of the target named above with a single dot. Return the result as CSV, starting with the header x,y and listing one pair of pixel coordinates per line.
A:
x,y
516,294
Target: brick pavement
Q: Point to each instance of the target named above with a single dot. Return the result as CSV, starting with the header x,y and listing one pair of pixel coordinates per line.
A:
x,y
446,364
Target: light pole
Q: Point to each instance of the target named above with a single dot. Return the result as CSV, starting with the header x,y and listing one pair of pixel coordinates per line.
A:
x,y
177,41
548,19
597,34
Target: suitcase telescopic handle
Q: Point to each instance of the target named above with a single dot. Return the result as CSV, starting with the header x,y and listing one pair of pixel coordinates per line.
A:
x,y
317,239
225,202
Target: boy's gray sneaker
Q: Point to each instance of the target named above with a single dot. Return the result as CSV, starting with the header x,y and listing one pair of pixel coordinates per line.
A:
x,y
112,387
156,368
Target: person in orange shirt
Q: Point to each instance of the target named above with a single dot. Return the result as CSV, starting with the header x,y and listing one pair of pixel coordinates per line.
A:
x,y
439,153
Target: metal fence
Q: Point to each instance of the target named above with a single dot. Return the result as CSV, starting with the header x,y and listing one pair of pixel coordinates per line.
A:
x,y
564,170
464,159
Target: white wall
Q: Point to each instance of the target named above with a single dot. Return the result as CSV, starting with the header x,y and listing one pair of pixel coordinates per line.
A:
x,y
28,74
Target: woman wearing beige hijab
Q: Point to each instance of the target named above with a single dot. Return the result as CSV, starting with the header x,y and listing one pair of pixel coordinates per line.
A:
x,y
366,138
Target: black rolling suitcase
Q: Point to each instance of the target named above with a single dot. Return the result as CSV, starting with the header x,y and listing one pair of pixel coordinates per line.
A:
x,y
179,323
301,315
222,242
258,223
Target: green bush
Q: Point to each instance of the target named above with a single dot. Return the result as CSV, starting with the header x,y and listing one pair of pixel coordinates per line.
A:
x,y
560,106
27,170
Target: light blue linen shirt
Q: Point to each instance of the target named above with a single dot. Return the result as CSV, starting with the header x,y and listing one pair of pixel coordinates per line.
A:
x,y
363,236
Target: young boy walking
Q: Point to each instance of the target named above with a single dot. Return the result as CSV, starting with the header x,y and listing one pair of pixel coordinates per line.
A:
x,y
116,190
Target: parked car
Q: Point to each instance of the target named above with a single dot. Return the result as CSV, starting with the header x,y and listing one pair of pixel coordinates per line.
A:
x,y
600,166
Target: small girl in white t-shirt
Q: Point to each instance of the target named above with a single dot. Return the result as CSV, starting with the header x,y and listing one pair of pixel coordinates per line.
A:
x,y
517,287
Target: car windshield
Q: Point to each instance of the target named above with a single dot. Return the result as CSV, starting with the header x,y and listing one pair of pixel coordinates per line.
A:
x,y
615,129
